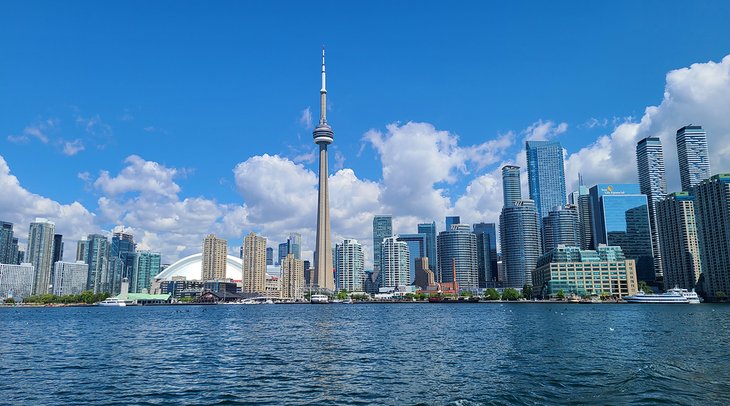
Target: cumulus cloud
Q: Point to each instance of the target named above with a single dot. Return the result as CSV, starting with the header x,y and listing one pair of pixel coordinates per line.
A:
x,y
71,148
305,118
145,177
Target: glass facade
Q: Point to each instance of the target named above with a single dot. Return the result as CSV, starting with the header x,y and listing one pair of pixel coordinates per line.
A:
x,y
382,229
458,249
521,246
693,156
545,175
416,249
486,254
429,230
511,187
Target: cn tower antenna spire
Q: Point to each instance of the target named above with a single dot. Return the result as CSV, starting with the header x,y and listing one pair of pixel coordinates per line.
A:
x,y
323,95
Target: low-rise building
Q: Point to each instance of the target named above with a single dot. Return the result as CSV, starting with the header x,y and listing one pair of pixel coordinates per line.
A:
x,y
16,281
69,278
585,272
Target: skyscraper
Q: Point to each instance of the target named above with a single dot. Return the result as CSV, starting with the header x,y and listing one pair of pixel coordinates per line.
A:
x,y
145,265
283,252
429,230
394,263
40,253
294,244
621,217
451,220
561,227
269,255
416,249
458,247
582,200
292,277
652,183
121,260
97,257
486,253
545,175
519,232
382,229
7,255
57,248
679,242
215,255
694,159
82,250
350,266
511,187
323,277
254,263
713,224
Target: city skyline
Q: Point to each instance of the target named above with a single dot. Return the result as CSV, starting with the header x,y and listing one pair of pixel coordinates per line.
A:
x,y
412,162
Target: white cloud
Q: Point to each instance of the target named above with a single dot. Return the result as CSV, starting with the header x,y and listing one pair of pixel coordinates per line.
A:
x,y
305,118
72,148
544,130
145,177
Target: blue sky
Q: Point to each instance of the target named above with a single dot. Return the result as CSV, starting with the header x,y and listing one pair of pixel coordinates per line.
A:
x,y
194,89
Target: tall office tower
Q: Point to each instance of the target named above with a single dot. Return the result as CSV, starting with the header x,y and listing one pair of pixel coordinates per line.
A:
x,y
16,281
69,278
292,277
97,258
545,175
416,249
519,231
382,229
694,159
295,245
582,200
429,230
451,220
679,243
6,243
16,253
511,187
57,248
269,255
121,260
254,263
283,251
621,218
21,255
215,255
424,276
82,250
561,227
713,224
350,266
394,263
40,253
323,277
145,266
652,183
458,247
486,253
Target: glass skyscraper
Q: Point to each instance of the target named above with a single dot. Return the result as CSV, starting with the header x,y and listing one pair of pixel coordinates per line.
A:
x,y
545,175
429,230
680,244
582,200
416,249
519,231
694,160
561,226
621,218
97,257
713,224
652,182
350,266
511,187
457,248
486,254
145,266
121,261
7,253
451,220
394,262
40,253
382,229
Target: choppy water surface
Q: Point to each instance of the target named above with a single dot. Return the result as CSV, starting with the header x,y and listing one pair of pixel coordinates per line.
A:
x,y
367,354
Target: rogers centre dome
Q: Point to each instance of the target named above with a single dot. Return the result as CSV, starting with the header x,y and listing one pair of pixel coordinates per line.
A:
x,y
192,268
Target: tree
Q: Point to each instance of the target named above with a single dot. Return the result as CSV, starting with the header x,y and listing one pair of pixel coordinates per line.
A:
x,y
560,295
510,294
466,293
527,292
720,295
491,294
342,295
645,288
10,300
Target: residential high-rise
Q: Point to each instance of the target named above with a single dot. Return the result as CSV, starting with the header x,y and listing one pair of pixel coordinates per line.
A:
x,y
394,263
295,245
486,253
145,265
215,255
16,253
451,220
561,227
40,253
693,156
323,277
652,183
429,230
679,241
82,250
69,278
416,249
57,248
269,255
16,281
621,218
283,251
382,229
511,187
350,266
519,232
97,258
713,224
545,175
292,277
121,260
254,264
458,247
582,200
7,255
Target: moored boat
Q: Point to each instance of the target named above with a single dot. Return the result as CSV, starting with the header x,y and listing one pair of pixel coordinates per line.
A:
x,y
116,302
664,298
319,299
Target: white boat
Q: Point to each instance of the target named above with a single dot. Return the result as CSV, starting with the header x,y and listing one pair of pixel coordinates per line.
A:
x,y
319,299
664,298
691,295
115,302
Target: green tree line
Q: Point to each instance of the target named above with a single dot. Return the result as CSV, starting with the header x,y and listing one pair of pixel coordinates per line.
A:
x,y
87,297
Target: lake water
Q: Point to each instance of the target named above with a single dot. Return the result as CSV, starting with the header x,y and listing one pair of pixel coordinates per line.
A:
x,y
457,354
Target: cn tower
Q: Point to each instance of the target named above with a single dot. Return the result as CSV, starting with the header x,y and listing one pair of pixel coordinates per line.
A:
x,y
323,277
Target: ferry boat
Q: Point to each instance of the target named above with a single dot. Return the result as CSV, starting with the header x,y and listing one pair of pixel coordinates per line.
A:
x,y
319,299
691,295
116,302
664,298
